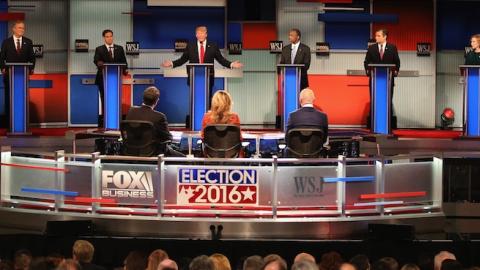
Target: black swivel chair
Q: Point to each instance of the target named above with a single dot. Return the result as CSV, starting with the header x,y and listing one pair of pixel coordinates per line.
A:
x,y
222,141
304,142
139,139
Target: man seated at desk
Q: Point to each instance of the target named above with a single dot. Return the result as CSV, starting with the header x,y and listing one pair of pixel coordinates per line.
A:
x,y
307,116
147,112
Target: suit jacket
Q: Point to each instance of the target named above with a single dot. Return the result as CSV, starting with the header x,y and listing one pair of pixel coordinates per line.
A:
x,y
158,119
303,56
390,56
91,266
212,52
9,52
102,55
308,117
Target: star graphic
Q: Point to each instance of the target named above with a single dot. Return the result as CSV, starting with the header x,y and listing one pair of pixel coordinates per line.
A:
x,y
248,194
189,192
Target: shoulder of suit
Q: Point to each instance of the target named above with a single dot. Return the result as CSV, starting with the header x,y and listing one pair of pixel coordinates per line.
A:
x,y
117,46
25,39
304,45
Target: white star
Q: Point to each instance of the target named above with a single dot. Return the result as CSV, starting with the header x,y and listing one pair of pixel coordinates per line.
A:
x,y
189,192
248,194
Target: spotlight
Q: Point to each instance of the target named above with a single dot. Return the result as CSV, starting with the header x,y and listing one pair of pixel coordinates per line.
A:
x,y
447,117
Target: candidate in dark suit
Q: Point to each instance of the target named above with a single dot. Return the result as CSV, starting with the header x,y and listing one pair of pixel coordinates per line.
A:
x,y
16,48
147,112
107,53
307,116
297,53
383,52
202,51
473,57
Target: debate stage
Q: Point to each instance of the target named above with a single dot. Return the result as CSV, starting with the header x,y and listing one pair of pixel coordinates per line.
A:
x,y
397,179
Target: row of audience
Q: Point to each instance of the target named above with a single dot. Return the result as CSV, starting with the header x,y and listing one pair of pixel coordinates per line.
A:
x,y
83,253
221,113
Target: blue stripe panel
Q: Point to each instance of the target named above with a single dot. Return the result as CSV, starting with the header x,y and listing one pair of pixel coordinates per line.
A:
x,y
456,22
83,101
234,32
290,92
174,95
381,101
345,17
353,36
200,102
349,179
159,27
40,84
49,191
19,88
4,32
113,97
473,102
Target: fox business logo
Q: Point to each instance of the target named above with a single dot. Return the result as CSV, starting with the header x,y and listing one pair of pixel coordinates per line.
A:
x,y
127,184
199,186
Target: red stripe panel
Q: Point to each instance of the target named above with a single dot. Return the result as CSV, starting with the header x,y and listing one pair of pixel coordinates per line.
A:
x,y
35,167
415,22
393,195
345,99
12,16
93,200
49,104
126,96
258,35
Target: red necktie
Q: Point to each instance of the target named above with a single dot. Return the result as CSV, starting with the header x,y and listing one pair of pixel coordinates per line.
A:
x,y
202,52
382,52
18,46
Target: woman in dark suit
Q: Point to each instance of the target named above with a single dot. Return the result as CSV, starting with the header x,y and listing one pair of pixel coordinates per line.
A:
x,y
473,57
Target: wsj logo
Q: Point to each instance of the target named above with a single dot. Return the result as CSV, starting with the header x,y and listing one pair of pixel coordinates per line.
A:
x,y
132,47
276,46
127,184
235,48
38,50
181,45
423,49
308,186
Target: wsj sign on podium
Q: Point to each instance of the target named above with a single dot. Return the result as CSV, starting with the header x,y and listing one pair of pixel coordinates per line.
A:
x,y
219,186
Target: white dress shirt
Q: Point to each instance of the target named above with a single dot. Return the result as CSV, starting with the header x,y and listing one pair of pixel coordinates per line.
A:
x,y
380,45
294,51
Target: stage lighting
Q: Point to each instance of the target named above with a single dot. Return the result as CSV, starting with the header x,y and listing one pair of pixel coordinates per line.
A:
x,y
447,117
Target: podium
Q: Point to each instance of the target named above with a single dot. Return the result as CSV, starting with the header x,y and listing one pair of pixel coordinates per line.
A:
x,y
290,89
112,83
471,102
381,76
19,97
199,93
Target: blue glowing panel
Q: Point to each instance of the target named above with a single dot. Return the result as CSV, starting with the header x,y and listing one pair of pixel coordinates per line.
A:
x,y
473,102
290,92
381,101
199,96
19,96
113,97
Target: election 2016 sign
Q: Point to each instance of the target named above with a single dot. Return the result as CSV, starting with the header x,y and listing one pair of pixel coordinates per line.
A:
x,y
217,186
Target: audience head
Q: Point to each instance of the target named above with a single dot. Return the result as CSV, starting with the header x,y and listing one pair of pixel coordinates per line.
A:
x,y
451,264
41,263
386,263
330,261
69,265
304,257
155,258
83,251
410,266
304,265
274,262
347,266
22,259
202,262
220,261
253,263
167,264
306,96
361,262
221,107
440,257
135,260
6,265
151,95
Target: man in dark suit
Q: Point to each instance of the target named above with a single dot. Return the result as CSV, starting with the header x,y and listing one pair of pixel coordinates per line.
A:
x,y
202,51
107,53
297,53
19,49
307,116
383,52
147,112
